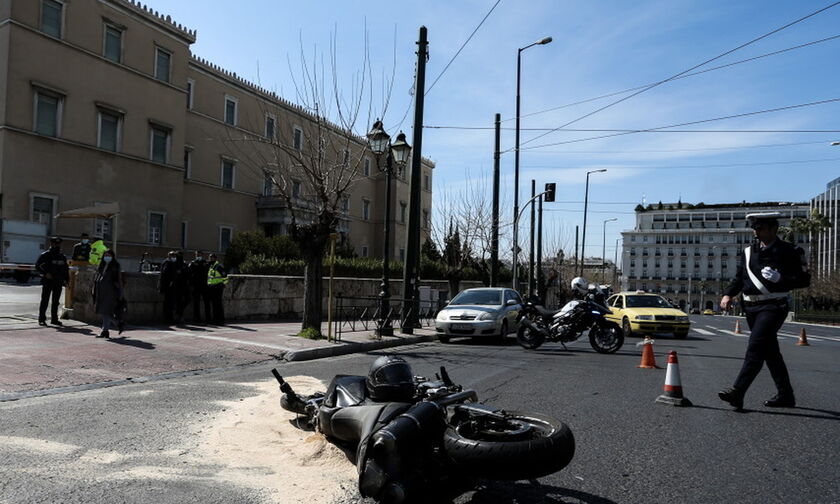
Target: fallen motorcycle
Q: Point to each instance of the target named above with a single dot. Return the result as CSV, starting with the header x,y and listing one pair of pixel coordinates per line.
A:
x,y
410,432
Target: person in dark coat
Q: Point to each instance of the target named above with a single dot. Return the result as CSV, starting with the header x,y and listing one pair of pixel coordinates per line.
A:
x,y
52,265
173,285
108,291
198,281
81,250
768,270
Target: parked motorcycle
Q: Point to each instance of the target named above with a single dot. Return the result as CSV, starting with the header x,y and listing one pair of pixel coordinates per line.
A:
x,y
410,433
536,324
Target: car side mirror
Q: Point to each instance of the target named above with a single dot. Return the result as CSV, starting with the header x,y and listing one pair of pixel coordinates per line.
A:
x,y
511,302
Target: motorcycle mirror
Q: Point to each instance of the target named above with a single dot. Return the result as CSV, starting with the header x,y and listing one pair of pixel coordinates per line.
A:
x,y
445,377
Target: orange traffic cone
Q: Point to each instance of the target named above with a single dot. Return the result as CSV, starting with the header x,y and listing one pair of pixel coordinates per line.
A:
x,y
737,327
673,386
648,359
803,339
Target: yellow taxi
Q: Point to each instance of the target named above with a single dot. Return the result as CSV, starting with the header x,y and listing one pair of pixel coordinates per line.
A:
x,y
641,312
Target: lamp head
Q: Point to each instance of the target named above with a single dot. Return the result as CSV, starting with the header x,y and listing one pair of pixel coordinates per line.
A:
x,y
546,40
401,149
378,139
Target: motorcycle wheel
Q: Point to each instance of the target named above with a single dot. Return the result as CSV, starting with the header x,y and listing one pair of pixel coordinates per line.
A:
x,y
607,338
523,446
529,338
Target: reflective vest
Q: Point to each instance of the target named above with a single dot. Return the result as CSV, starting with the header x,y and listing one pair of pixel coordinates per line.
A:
x,y
216,275
97,249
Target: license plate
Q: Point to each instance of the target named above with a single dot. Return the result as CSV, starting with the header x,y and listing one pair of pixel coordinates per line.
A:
x,y
462,326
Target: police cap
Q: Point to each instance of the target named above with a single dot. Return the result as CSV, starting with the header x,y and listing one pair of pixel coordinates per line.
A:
x,y
760,219
55,239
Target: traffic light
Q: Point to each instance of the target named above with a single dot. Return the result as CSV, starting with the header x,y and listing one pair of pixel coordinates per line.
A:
x,y
549,192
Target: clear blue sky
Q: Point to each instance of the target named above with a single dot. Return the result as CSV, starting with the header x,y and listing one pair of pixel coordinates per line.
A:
x,y
599,47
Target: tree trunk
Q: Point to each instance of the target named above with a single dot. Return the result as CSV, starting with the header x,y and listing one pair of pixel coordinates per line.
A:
x,y
454,286
313,276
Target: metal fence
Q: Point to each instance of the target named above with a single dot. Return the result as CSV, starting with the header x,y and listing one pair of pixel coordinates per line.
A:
x,y
364,313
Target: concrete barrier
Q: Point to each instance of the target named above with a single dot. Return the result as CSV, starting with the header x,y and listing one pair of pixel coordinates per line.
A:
x,y
247,297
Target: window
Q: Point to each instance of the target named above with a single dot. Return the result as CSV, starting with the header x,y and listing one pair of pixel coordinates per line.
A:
x,y
230,110
366,167
112,45
159,143
426,219
345,203
364,251
297,138
190,91
269,126
403,207
295,189
102,228
156,221
402,254
109,130
163,62
51,14
365,209
225,236
184,234
268,184
345,159
48,113
43,209
427,184
187,164
227,173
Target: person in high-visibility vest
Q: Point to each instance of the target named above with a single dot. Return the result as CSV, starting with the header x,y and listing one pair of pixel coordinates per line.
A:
x,y
97,248
216,280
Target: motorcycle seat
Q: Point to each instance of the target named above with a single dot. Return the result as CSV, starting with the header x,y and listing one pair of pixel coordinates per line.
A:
x,y
544,312
352,424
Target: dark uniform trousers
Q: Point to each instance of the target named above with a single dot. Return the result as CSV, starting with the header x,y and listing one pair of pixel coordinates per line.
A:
x,y
49,289
765,320
215,293
201,294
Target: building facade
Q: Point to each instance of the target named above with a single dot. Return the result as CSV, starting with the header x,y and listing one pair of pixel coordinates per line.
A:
x,y
825,242
688,253
101,101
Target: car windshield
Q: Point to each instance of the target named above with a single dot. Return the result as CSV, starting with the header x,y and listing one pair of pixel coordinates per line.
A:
x,y
647,302
478,297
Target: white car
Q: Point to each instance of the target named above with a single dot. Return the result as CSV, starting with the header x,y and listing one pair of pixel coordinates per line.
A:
x,y
490,311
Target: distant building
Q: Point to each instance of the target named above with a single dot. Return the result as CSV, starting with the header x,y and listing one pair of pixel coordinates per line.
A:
x,y
689,253
825,243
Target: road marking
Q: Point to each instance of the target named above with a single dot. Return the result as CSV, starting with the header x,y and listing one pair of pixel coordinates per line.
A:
x,y
819,338
219,338
704,332
712,327
733,333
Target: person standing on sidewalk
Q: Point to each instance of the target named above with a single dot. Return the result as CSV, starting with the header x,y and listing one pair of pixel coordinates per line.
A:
x,y
108,291
52,265
171,284
768,270
81,250
216,280
198,269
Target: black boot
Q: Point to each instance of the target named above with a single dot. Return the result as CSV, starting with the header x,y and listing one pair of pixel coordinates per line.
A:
x,y
104,334
733,397
781,401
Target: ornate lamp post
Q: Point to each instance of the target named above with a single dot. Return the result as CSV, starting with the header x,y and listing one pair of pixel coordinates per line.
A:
x,y
379,143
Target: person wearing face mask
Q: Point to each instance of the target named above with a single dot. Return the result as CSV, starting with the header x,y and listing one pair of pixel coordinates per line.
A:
x,y
198,282
108,291
767,271
81,250
97,249
172,284
55,272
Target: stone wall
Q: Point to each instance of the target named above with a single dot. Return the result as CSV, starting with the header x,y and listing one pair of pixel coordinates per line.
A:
x,y
247,297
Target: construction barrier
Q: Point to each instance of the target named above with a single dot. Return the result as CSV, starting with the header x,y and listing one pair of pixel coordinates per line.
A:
x,y
673,385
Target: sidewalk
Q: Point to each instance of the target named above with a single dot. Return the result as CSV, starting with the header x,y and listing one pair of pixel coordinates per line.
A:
x,y
37,360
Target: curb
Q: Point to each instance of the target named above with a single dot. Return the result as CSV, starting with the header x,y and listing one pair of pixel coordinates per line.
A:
x,y
332,351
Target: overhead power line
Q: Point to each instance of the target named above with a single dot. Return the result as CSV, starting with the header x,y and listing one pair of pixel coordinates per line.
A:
x,y
616,93
734,116
696,167
614,130
684,72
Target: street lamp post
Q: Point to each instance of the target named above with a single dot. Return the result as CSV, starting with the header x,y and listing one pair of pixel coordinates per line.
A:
x,y
379,142
604,250
585,206
542,41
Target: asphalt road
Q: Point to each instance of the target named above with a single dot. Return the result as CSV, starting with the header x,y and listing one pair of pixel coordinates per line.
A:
x,y
98,445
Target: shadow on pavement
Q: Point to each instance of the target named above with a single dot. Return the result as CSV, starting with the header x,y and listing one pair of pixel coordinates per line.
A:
x,y
238,328
529,493
792,412
76,330
122,340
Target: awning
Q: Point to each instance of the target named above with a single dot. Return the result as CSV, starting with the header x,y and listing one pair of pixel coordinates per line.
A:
x,y
105,211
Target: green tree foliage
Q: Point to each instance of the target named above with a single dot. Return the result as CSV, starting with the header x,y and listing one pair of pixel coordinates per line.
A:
x,y
255,242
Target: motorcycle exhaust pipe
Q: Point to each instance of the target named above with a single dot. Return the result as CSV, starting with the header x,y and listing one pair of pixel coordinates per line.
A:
x,y
289,401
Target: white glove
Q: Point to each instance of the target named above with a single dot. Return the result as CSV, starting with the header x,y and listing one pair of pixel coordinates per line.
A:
x,y
770,274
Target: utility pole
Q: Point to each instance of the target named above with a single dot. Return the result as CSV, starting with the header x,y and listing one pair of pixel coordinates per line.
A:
x,y
494,234
411,273
531,257
577,232
539,250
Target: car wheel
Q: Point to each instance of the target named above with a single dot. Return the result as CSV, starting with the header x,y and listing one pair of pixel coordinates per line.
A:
x,y
443,339
503,333
625,326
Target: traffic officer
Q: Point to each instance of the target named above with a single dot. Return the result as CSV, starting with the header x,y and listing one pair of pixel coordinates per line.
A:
x,y
769,268
198,269
52,265
97,249
216,280
81,251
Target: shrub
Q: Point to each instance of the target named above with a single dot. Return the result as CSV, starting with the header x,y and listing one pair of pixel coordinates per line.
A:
x,y
310,333
254,242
